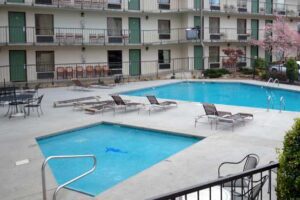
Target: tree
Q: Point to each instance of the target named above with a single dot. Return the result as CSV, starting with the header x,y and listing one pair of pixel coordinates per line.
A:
x,y
279,39
233,56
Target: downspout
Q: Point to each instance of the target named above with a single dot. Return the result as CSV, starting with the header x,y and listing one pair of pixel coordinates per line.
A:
x,y
202,35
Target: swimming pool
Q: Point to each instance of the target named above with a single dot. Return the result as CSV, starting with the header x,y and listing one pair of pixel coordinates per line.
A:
x,y
121,152
239,94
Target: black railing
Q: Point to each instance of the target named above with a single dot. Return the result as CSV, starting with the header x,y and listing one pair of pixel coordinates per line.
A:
x,y
261,175
92,36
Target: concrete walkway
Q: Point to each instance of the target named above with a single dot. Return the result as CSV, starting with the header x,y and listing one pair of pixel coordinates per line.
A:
x,y
192,166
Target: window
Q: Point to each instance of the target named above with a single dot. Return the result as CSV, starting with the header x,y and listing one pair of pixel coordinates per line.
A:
x,y
114,30
44,24
241,26
164,4
214,54
114,4
242,4
214,2
164,59
45,64
164,29
281,6
214,25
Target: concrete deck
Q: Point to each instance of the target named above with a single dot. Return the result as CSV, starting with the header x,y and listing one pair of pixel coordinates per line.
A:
x,y
192,166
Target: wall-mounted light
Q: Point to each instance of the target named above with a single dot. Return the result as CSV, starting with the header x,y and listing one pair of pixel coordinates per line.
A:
x,y
147,17
147,48
82,14
228,44
228,16
82,48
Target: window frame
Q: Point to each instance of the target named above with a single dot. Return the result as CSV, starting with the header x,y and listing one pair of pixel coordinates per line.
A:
x,y
161,62
40,28
217,56
164,34
40,69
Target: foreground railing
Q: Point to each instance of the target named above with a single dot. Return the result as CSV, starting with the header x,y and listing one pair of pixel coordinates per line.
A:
x,y
262,176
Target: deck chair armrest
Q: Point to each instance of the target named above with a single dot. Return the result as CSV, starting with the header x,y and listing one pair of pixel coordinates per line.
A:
x,y
228,163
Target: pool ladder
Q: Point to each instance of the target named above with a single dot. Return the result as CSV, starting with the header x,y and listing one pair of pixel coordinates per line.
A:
x,y
274,81
70,181
270,103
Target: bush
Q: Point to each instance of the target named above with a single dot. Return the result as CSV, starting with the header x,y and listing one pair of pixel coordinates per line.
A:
x,y
279,76
291,70
215,73
260,63
248,71
288,177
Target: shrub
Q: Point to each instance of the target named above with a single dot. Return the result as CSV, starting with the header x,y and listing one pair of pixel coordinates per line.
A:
x,y
288,177
279,76
260,63
291,70
215,73
248,71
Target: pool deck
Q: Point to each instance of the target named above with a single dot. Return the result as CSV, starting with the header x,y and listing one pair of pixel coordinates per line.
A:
x,y
195,165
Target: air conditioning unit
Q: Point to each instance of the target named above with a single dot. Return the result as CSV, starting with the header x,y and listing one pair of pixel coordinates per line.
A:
x,y
214,65
44,39
164,4
114,4
214,7
243,37
215,36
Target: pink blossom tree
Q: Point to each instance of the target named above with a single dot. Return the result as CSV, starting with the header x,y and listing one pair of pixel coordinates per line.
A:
x,y
279,38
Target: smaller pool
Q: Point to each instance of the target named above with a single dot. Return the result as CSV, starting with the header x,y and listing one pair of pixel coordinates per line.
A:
x,y
121,152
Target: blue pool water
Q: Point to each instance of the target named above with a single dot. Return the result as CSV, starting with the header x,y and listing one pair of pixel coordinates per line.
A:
x,y
121,153
238,94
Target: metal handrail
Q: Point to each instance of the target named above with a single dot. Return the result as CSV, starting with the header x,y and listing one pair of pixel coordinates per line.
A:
x,y
276,81
270,80
70,181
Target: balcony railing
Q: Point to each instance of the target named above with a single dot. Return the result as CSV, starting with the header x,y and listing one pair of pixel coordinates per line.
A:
x,y
232,35
114,5
96,70
253,6
261,186
87,36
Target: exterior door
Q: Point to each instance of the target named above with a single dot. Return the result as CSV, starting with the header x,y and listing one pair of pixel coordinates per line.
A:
x,y
269,6
17,65
197,4
254,54
134,5
197,21
254,6
254,29
134,31
134,62
17,27
198,57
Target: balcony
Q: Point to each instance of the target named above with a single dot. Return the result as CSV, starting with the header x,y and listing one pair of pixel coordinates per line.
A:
x,y
18,36
252,7
155,6
231,35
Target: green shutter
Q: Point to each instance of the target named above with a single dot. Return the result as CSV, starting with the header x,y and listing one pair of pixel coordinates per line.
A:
x,y
134,62
198,57
17,27
17,65
254,6
254,54
134,5
197,4
254,29
269,6
134,30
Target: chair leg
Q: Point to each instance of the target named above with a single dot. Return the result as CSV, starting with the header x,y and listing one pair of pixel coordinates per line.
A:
x,y
41,110
37,110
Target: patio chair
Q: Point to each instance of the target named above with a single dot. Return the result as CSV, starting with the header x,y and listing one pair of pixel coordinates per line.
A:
x,y
120,103
251,161
35,103
79,72
155,104
252,193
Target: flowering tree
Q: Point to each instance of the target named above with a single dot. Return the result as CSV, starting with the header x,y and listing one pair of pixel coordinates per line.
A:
x,y
233,56
279,38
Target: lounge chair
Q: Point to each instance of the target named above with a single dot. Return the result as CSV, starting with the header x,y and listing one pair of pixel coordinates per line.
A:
x,y
213,114
79,85
155,104
120,103
70,102
251,161
85,105
100,107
